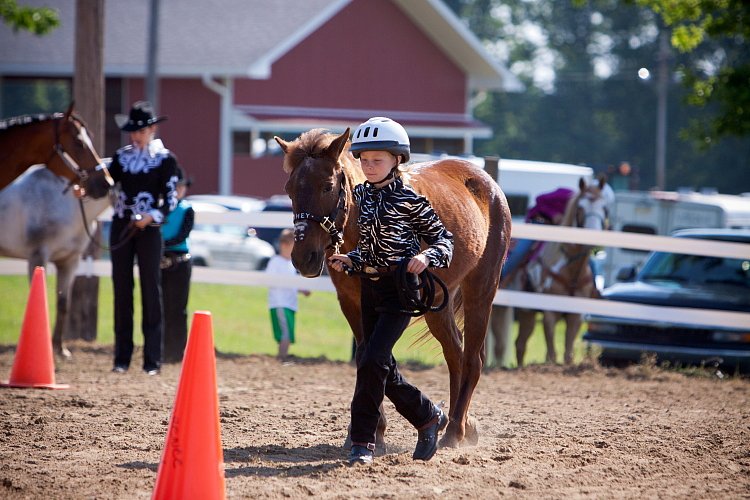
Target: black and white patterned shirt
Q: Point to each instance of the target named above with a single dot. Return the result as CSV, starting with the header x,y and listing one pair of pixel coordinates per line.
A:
x,y
147,180
392,220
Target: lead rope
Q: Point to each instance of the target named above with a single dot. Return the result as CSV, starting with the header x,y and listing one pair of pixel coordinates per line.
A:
x,y
416,293
126,234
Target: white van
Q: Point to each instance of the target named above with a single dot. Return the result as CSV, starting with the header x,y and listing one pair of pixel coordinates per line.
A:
x,y
662,213
523,180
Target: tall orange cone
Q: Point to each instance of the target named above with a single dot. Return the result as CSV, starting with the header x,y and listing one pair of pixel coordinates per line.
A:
x,y
33,363
192,464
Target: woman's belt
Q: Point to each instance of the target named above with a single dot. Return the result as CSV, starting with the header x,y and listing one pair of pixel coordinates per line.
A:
x,y
172,259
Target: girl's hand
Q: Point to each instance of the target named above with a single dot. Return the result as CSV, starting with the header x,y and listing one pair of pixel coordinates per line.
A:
x,y
338,261
417,264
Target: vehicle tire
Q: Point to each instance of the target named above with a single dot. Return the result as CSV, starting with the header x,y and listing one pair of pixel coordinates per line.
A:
x,y
262,264
199,261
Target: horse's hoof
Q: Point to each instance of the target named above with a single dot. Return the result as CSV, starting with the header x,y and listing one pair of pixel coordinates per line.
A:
x,y
63,353
380,448
471,433
449,439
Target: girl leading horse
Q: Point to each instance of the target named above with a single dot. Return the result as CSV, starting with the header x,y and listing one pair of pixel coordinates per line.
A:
x,y
322,175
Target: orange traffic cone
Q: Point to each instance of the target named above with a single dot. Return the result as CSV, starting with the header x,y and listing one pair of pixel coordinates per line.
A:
x,y
33,363
192,464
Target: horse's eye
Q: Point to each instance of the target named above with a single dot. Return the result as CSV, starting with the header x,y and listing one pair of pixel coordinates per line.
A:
x,y
327,188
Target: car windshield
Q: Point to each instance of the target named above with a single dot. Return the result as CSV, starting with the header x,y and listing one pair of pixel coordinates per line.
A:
x,y
696,269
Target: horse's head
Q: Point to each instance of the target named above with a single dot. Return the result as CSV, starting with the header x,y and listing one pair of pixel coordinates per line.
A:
x,y
74,157
317,188
592,206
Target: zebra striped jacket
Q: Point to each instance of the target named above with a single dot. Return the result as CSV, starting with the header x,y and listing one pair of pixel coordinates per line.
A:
x,y
392,221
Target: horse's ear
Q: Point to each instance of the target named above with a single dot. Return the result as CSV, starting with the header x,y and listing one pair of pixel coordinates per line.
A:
x,y
282,143
582,184
337,146
69,112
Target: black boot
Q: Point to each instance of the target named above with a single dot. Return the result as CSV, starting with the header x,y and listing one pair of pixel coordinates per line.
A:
x,y
360,455
427,439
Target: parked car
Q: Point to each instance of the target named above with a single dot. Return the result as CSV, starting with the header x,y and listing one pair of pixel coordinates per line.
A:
x,y
228,246
680,280
276,203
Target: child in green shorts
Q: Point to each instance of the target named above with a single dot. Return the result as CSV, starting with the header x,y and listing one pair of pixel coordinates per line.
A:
x,y
282,301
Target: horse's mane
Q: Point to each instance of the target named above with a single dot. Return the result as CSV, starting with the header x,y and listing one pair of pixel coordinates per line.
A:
x,y
18,121
309,144
570,212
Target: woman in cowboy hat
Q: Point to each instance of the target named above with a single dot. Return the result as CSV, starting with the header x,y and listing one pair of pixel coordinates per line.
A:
x,y
147,176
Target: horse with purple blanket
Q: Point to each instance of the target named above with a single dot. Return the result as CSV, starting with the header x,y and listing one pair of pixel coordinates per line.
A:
x,y
551,267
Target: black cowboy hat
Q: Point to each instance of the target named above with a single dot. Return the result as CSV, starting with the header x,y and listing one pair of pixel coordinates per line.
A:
x,y
141,116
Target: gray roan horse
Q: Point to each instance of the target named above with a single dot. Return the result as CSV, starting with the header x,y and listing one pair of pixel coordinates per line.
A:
x,y
41,219
322,174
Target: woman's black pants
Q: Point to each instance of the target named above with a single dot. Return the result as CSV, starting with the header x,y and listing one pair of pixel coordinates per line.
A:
x,y
146,246
175,287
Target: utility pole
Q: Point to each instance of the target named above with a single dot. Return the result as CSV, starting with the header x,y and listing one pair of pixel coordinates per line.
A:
x,y
662,89
152,84
88,93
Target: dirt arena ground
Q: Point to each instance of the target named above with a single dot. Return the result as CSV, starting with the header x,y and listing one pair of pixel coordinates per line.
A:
x,y
546,432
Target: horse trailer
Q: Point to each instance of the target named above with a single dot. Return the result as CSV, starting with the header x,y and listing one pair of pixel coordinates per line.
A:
x,y
523,180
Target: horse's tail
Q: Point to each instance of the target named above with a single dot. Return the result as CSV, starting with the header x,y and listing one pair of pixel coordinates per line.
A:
x,y
423,334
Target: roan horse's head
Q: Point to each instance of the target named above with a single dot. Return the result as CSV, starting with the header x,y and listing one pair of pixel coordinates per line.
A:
x,y
317,188
73,155
591,209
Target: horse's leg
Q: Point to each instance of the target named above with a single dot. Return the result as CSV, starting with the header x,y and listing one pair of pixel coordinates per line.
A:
x,y
66,269
573,325
526,323
549,320
443,327
501,324
478,294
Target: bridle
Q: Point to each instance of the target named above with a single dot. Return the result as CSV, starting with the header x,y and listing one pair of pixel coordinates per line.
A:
x,y
327,222
81,175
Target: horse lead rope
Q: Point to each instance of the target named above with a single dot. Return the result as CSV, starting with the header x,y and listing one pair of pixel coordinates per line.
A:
x,y
414,303
129,231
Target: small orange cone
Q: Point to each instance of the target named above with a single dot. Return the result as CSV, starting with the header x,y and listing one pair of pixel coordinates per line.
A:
x,y
192,464
33,363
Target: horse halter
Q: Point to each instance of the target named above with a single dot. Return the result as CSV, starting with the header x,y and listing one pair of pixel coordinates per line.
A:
x,y
72,165
328,223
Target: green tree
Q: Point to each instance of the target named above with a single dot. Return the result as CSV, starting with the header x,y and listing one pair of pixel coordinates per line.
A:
x,y
584,102
720,79
37,20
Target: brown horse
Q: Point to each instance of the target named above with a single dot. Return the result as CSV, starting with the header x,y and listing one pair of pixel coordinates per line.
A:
x,y
563,269
59,141
322,174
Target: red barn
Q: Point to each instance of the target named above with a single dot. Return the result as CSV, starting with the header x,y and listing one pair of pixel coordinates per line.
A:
x,y
234,73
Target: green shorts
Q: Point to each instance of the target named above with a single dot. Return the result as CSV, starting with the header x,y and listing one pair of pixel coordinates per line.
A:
x,y
282,320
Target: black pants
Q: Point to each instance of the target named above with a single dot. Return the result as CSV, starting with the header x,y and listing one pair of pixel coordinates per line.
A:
x,y
175,288
146,245
377,372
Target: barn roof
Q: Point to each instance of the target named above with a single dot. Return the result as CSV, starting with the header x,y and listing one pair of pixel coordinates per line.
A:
x,y
237,38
